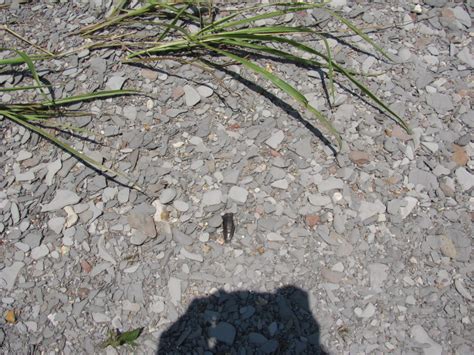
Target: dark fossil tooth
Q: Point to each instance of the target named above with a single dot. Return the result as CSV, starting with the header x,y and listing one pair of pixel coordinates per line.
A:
x,y
228,226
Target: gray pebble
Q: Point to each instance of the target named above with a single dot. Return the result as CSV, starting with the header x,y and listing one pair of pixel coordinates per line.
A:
x,y
464,178
181,238
174,289
39,252
191,96
52,168
191,256
329,184
56,224
430,347
223,331
15,212
9,274
211,198
181,206
116,83
167,195
123,195
275,139
23,155
205,91
62,199
238,194
378,273
370,209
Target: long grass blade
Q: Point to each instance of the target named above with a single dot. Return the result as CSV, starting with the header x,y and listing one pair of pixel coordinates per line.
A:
x,y
66,147
283,85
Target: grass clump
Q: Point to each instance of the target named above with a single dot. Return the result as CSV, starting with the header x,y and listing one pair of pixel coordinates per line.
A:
x,y
38,116
193,30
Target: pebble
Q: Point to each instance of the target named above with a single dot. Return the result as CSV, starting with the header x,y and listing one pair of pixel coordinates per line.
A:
x,y
23,155
188,255
123,195
9,274
275,139
167,195
275,237
378,273
462,290
205,91
368,312
411,202
71,218
238,194
329,184
430,347
116,82
56,224
174,289
280,184
223,332
62,199
39,252
181,206
319,200
447,247
191,96
53,169
464,178
211,198
143,223
369,209
15,212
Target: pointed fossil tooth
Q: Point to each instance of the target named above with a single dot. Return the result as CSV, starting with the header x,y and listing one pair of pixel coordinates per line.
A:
x,y
228,226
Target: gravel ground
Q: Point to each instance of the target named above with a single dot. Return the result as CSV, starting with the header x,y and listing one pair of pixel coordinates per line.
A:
x,y
366,252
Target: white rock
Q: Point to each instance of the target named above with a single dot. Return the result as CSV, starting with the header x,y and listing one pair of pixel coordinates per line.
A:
x,y
411,203
368,312
275,139
238,194
174,289
465,179
191,96
71,218
280,184
275,237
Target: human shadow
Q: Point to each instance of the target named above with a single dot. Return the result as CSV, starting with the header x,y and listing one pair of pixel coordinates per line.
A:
x,y
245,322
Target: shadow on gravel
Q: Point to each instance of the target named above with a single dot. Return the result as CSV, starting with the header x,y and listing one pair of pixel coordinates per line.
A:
x,y
245,322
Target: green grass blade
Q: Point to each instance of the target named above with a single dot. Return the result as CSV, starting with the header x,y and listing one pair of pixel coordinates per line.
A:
x,y
66,147
283,85
119,8
20,88
173,23
20,60
91,96
31,67
330,69
358,32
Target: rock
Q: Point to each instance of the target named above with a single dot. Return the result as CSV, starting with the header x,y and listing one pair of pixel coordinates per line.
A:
x,y
338,3
280,184
329,184
167,195
312,220
447,247
275,139
191,96
368,312
211,198
369,209
71,218
181,238
39,252
138,237
181,206
275,237
238,194
460,157
223,332
123,195
464,178
421,177
440,102
359,157
62,199
404,54
52,168
205,91
192,256
466,57
56,224
157,306
142,223
100,317
15,212
130,112
462,290
23,155
99,65
9,274
378,273
411,202
174,289
430,347
116,82
332,276
462,16
436,3
319,200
